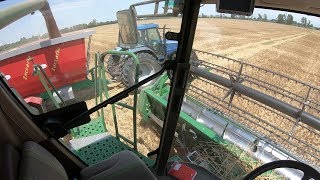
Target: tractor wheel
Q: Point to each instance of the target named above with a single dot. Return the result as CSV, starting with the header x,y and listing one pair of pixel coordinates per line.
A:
x,y
193,57
148,66
194,61
114,67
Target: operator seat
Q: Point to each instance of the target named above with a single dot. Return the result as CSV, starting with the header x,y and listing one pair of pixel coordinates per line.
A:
x,y
35,162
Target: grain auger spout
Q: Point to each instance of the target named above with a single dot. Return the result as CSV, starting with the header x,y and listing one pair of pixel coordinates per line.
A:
x,y
15,12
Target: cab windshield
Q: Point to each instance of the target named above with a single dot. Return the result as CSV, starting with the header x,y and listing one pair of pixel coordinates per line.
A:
x,y
252,95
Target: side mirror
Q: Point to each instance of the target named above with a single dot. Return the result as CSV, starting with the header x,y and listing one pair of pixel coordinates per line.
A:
x,y
128,32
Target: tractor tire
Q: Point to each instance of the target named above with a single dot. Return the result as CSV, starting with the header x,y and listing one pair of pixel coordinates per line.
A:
x,y
114,67
193,61
193,57
148,66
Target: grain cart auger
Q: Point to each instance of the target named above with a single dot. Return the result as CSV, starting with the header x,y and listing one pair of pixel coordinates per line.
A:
x,y
39,68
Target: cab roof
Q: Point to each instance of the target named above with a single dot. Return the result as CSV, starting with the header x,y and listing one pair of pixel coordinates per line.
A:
x,y
147,26
310,7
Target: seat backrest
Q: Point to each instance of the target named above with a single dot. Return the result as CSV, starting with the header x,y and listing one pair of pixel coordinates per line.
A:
x,y
37,163
9,162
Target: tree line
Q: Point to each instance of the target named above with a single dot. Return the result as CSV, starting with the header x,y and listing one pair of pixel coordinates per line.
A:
x,y
281,19
77,27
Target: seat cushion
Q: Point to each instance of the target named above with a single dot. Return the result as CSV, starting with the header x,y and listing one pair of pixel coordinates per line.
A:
x,y
37,163
123,165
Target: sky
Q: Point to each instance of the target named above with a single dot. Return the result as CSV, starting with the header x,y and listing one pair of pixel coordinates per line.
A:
x,y
72,12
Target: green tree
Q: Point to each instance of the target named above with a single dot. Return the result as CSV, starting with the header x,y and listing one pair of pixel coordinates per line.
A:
x,y
23,40
281,19
304,21
309,24
204,16
289,19
93,23
265,17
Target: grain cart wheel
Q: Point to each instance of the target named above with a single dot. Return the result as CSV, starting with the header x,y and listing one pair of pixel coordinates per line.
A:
x,y
148,66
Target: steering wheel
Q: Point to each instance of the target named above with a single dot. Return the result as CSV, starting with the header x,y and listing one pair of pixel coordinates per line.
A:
x,y
309,172
155,45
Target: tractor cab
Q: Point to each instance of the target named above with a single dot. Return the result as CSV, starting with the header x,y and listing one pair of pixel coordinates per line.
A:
x,y
211,98
149,36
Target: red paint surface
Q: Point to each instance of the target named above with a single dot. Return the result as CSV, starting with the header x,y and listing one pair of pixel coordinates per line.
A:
x,y
70,67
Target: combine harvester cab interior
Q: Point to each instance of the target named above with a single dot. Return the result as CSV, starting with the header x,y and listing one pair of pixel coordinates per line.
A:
x,y
161,90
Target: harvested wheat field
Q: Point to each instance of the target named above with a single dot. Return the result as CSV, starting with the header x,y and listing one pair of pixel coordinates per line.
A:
x,y
288,50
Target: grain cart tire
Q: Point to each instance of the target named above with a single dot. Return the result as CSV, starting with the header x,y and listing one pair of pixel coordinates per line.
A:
x,y
148,66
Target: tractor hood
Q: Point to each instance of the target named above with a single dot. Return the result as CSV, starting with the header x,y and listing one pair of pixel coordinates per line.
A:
x,y
172,46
